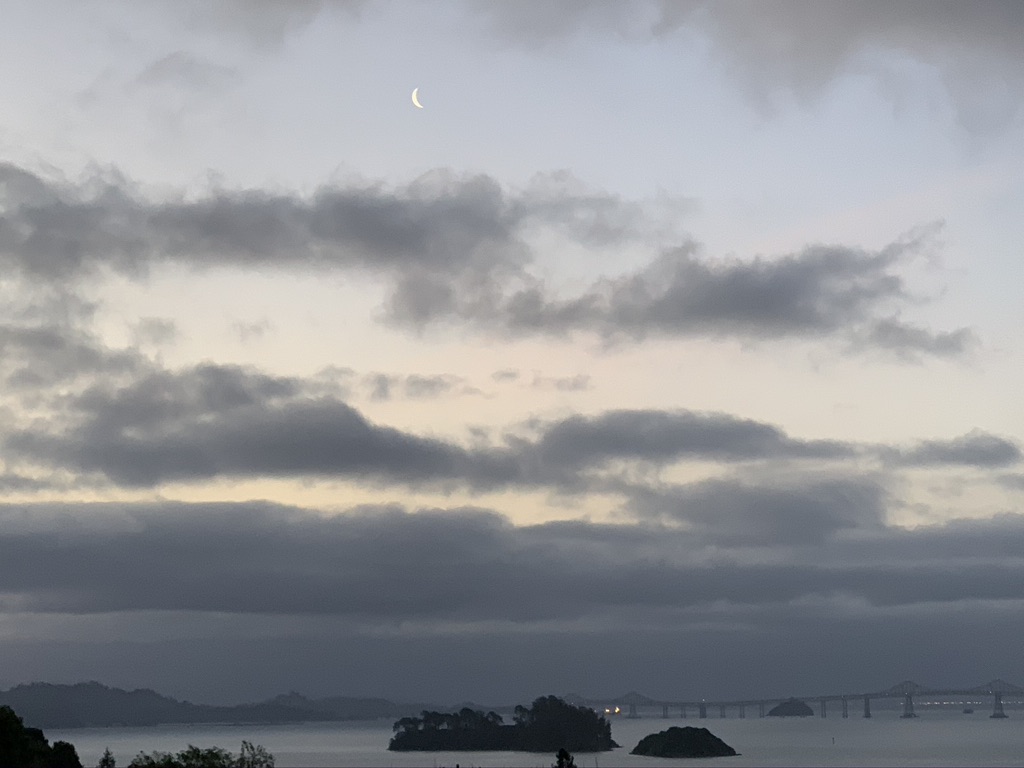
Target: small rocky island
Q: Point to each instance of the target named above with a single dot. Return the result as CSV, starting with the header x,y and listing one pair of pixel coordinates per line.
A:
x,y
791,708
683,742
550,724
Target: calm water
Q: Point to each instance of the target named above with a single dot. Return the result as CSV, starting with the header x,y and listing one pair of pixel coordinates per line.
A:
x,y
935,738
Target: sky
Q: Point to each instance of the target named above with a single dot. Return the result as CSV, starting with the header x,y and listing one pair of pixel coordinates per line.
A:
x,y
671,346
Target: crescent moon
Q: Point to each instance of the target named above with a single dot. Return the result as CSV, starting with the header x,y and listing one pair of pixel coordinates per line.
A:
x,y
416,98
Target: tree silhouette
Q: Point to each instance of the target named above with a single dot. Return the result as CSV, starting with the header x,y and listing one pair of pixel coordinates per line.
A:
x,y
564,759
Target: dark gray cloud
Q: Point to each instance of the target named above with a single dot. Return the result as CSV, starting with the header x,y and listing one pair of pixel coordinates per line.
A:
x,y
228,421
822,290
455,248
385,564
127,420
34,357
667,436
216,420
393,591
731,512
976,448
801,46
911,341
444,224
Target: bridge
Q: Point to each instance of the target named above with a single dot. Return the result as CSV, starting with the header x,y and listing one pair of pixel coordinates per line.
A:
x,y
632,702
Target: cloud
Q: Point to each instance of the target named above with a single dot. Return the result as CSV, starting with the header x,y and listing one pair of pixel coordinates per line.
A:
x,y
155,426
182,70
321,598
458,248
251,331
910,341
261,23
442,223
820,291
215,420
506,374
136,424
36,356
577,383
385,386
735,513
157,331
802,46
667,436
373,564
976,448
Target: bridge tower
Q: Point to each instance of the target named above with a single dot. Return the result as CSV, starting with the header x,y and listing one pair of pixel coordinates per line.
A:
x,y
682,711
908,706
760,709
997,688
997,706
721,711
743,711
664,711
846,712
823,707
702,710
867,707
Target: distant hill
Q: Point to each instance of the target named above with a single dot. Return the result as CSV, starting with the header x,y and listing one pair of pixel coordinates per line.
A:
x,y
791,708
347,708
44,705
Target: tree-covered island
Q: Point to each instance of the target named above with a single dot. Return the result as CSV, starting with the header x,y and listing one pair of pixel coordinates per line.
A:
x,y
548,725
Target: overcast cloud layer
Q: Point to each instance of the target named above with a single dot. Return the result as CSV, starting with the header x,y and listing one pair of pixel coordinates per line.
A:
x,y
665,331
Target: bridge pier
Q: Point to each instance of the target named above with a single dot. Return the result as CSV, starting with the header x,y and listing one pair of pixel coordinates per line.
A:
x,y
823,708
743,711
702,710
664,711
908,707
721,711
867,707
760,709
846,712
633,715
682,711
997,707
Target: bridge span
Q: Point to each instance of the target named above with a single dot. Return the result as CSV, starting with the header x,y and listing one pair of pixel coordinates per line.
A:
x,y
632,702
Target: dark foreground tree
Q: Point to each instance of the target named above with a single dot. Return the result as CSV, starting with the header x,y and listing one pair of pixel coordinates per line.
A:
x,y
28,748
564,760
548,725
211,757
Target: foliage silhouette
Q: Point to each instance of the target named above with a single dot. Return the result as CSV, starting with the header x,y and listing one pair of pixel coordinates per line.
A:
x,y
549,724
28,748
211,757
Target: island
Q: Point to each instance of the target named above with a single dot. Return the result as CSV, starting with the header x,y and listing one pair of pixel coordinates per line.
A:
x,y
550,724
791,708
683,742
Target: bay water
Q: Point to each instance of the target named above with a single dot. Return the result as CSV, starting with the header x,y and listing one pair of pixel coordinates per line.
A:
x,y
941,738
